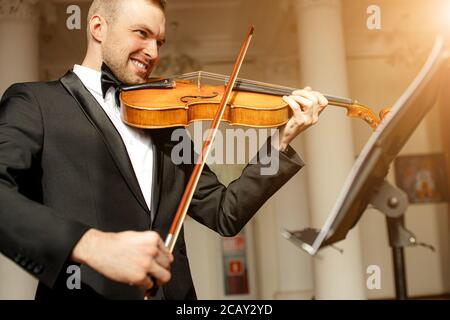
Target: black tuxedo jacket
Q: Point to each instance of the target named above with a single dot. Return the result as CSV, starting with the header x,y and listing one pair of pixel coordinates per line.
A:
x,y
64,169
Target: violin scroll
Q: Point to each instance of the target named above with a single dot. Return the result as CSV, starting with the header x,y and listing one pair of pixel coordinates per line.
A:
x,y
357,110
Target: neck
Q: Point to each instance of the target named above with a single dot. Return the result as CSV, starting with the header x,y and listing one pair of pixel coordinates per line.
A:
x,y
92,60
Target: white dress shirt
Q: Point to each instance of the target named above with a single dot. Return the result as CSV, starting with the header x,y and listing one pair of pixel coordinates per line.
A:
x,y
137,142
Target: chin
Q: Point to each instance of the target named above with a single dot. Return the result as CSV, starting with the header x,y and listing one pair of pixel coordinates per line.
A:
x,y
132,79
140,80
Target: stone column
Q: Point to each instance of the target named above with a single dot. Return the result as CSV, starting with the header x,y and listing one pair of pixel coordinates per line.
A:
x,y
329,146
19,62
294,274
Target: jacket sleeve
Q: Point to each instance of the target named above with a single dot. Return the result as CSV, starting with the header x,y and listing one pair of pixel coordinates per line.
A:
x,y
31,234
227,210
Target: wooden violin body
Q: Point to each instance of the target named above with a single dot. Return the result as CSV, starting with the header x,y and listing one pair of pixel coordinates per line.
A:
x,y
159,108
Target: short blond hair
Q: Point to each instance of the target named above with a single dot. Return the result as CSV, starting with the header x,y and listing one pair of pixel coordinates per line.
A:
x,y
109,8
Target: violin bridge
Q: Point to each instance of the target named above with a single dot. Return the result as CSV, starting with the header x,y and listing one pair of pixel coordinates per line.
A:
x,y
199,81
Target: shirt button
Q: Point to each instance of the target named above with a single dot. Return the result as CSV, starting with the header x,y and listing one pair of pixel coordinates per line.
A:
x,y
31,266
24,262
38,269
18,258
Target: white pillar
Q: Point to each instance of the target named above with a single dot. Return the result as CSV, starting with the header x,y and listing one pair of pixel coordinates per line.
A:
x,y
295,269
294,276
329,145
19,30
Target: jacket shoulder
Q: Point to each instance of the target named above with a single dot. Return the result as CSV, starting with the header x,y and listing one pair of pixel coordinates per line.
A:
x,y
36,88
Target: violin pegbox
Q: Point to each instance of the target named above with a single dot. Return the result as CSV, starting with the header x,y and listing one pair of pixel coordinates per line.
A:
x,y
358,110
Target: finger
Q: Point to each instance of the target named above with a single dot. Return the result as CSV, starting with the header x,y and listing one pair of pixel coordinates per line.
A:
x,y
159,273
295,106
147,283
321,104
300,91
311,96
162,246
315,118
151,237
164,252
151,292
164,259
323,101
304,103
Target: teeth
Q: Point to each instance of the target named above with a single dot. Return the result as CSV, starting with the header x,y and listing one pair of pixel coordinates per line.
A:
x,y
139,64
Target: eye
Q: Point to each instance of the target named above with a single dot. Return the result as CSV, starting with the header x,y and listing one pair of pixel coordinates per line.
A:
x,y
141,33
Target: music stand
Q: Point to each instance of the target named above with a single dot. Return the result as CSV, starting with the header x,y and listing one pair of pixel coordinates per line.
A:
x,y
366,182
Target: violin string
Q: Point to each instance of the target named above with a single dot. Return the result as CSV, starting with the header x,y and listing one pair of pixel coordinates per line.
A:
x,y
211,76
250,85
260,84
240,83
256,86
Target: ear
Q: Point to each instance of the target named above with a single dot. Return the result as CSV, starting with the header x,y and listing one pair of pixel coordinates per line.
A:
x,y
98,28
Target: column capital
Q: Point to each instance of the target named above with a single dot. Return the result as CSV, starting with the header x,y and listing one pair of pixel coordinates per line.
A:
x,y
19,9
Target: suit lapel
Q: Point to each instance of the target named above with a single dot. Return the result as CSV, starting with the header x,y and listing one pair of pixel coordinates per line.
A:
x,y
157,180
161,139
106,129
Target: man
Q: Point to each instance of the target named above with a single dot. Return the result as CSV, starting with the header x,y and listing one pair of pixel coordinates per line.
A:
x,y
78,186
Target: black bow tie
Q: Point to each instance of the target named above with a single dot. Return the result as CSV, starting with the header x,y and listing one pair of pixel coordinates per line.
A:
x,y
109,80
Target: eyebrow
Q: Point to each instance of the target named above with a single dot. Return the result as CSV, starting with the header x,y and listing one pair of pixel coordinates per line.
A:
x,y
142,26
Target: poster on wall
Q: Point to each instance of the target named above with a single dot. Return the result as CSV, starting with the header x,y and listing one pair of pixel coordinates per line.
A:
x,y
422,177
235,265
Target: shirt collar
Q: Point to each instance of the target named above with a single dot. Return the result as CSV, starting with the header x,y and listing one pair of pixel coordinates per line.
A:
x,y
91,78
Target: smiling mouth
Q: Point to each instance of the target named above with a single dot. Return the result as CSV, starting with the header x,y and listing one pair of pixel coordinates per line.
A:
x,y
142,67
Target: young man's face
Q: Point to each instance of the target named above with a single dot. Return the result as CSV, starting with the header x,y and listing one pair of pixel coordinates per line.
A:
x,y
133,41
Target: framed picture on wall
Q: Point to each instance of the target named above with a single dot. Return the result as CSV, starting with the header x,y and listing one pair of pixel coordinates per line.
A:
x,y
422,177
236,277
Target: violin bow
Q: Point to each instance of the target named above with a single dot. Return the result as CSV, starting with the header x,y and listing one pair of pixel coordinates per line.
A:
x,y
183,206
180,215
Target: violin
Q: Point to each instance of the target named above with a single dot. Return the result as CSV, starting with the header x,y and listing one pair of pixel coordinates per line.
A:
x,y
178,101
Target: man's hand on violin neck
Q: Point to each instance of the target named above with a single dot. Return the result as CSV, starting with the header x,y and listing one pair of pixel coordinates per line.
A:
x,y
127,257
306,106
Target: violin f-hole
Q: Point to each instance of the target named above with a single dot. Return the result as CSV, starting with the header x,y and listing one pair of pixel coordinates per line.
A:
x,y
185,99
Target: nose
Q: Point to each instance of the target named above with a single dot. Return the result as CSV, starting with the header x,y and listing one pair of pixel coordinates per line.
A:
x,y
151,49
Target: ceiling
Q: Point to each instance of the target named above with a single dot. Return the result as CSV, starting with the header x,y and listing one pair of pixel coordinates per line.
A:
x,y
211,31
